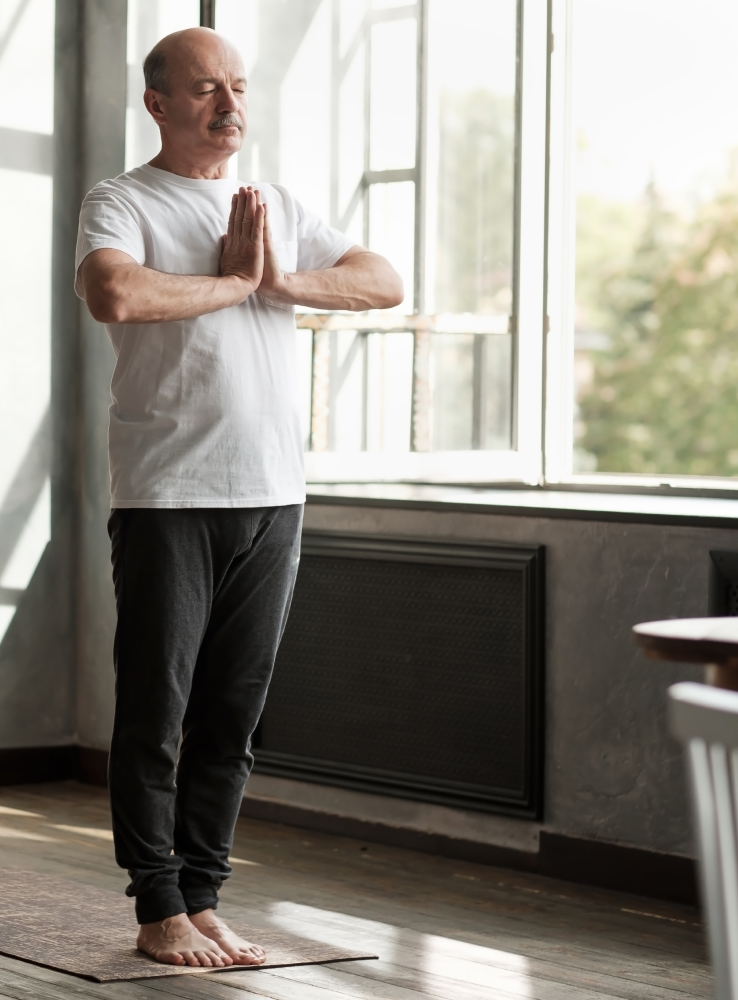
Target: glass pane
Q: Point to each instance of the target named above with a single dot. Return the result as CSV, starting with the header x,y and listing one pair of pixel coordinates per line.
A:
x,y
656,354
392,98
471,157
25,288
389,391
148,21
463,377
362,390
392,230
350,153
462,396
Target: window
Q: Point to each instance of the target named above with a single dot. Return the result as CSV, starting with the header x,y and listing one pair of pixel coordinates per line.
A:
x,y
25,292
409,127
148,21
644,253
556,182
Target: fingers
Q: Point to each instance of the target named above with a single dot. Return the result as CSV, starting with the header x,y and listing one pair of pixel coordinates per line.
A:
x,y
241,205
248,213
232,216
257,227
267,228
253,200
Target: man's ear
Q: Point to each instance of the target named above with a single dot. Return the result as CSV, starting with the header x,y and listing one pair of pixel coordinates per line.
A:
x,y
153,106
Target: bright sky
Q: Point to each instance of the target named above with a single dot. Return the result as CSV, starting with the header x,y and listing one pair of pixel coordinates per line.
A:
x,y
656,92
475,43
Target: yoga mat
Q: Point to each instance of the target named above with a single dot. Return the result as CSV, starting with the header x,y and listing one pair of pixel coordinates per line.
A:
x,y
91,932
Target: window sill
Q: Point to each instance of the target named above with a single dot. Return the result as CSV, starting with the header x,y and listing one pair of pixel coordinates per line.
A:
x,y
714,512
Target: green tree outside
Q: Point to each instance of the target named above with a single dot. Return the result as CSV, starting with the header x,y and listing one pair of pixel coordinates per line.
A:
x,y
663,398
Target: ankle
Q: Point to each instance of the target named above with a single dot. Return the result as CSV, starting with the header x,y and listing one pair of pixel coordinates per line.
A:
x,y
178,922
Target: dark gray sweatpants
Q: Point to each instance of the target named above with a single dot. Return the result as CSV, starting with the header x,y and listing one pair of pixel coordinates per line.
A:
x,y
203,597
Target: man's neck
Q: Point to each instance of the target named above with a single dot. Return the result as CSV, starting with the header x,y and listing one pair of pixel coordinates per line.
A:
x,y
165,160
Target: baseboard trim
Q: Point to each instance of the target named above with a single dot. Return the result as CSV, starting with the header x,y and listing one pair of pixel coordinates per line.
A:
x,y
34,765
667,877
92,766
382,833
31,765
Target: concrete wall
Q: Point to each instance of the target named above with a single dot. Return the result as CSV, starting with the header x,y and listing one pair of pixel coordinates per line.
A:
x,y
56,680
612,771
103,142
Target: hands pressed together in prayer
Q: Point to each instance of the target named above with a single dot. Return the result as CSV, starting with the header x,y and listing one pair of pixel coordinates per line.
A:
x,y
248,248
119,290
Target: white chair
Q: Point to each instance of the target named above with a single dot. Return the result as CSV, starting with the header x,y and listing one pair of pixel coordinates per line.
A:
x,y
705,720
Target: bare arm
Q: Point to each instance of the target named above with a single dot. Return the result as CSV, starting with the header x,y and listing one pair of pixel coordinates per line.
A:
x,y
118,290
359,280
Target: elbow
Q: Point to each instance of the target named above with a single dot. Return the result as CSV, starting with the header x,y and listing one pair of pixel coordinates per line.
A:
x,y
393,292
106,305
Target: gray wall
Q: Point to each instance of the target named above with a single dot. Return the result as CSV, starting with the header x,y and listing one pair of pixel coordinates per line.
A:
x,y
103,143
56,678
612,771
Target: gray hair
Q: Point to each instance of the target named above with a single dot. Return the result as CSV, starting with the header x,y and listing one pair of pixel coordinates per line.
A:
x,y
154,69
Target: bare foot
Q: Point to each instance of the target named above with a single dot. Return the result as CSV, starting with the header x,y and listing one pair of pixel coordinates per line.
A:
x,y
176,941
240,951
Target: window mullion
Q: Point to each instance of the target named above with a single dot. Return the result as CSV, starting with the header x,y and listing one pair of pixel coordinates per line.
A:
x,y
529,321
559,443
420,156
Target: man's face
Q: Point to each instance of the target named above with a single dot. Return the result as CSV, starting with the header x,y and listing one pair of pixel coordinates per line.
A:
x,y
204,114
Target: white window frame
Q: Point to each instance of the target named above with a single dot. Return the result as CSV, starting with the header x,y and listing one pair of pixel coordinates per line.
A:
x,y
561,256
523,463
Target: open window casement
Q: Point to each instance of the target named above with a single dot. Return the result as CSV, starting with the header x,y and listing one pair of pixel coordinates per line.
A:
x,y
419,129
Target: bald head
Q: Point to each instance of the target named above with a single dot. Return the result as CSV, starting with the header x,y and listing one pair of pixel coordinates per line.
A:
x,y
181,49
196,94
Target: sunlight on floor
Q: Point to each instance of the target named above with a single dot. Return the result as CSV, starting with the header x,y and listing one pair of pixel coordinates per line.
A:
x,y
9,833
7,811
86,831
428,954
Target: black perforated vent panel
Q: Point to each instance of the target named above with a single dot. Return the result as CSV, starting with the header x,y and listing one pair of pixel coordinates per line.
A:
x,y
410,669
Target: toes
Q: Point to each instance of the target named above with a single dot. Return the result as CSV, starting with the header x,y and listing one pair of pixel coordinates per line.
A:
x,y
190,958
249,958
168,957
204,959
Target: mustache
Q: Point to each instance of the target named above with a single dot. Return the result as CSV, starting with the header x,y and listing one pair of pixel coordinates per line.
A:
x,y
227,120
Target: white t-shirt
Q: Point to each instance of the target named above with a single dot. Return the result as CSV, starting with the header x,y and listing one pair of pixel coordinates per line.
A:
x,y
204,411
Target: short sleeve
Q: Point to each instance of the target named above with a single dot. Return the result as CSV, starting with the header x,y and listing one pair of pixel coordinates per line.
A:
x,y
318,244
107,221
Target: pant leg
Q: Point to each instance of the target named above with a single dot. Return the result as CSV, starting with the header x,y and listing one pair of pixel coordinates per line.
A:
x,y
249,612
163,573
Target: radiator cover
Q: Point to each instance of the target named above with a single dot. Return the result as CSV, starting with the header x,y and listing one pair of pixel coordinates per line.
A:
x,y
412,668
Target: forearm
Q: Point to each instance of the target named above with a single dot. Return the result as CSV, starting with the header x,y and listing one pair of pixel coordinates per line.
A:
x,y
142,295
364,281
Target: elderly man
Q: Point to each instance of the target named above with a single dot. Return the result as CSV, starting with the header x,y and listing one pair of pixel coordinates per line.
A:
x,y
195,279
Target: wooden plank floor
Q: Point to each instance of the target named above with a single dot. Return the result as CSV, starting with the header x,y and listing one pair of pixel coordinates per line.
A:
x,y
446,930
